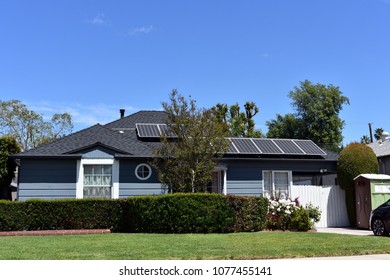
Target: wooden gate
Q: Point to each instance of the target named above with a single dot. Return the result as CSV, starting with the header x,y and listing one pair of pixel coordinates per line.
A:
x,y
331,201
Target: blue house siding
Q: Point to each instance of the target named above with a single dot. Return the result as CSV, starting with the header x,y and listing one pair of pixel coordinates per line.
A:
x,y
47,179
127,172
48,171
138,189
130,185
46,191
245,188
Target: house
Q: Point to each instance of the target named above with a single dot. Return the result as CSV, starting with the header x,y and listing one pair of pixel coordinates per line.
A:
x,y
112,161
381,149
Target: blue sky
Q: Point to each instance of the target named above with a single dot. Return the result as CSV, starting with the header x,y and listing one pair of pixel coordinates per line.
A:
x,y
90,58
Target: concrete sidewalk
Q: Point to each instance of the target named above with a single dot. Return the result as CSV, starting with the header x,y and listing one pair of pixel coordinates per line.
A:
x,y
359,257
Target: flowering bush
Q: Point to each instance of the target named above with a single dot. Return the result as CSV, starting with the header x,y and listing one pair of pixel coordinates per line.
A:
x,y
282,206
314,212
287,214
280,211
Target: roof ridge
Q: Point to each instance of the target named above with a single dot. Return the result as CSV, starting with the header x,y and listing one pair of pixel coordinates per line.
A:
x,y
132,115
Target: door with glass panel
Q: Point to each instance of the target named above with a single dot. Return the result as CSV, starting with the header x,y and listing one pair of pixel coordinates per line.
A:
x,y
215,185
97,181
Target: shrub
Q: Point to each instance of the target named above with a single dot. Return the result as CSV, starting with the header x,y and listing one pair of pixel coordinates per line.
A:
x,y
300,220
314,212
196,213
354,160
250,213
180,213
174,213
63,214
287,214
279,215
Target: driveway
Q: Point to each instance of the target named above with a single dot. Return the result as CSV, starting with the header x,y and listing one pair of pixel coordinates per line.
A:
x,y
344,230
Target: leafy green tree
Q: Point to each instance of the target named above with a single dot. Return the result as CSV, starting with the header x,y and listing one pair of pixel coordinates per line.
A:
x,y
355,159
317,109
28,128
8,146
237,123
191,146
286,126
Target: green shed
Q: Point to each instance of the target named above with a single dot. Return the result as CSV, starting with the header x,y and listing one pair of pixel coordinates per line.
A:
x,y
371,191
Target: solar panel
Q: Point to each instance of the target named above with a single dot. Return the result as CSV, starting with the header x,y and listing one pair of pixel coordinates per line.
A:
x,y
288,146
245,146
147,130
165,131
309,147
232,148
267,146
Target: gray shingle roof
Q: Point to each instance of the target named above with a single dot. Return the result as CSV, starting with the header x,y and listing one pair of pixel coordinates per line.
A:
x,y
119,136
122,143
139,117
381,148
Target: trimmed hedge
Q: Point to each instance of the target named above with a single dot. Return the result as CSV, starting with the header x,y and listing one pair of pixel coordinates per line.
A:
x,y
63,214
173,213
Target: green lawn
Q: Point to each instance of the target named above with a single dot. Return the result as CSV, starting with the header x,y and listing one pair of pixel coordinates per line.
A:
x,y
260,245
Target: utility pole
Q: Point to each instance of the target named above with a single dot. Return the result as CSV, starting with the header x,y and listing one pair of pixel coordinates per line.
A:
x,y
370,128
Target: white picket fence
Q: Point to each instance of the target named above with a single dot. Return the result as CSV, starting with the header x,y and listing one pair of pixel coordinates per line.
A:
x,y
331,201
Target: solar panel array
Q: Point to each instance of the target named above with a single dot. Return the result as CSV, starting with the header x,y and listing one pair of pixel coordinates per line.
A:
x,y
249,146
274,147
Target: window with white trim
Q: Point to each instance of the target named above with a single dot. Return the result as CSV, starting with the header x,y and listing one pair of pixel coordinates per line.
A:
x,y
97,181
143,171
276,183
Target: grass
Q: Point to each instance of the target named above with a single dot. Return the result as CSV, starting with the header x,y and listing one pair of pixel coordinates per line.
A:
x,y
260,245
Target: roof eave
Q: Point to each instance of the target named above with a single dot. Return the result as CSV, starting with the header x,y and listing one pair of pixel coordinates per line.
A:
x,y
73,156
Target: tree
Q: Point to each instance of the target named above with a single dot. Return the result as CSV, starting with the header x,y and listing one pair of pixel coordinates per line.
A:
x,y
8,146
365,139
237,123
28,128
355,159
378,133
317,109
190,148
284,127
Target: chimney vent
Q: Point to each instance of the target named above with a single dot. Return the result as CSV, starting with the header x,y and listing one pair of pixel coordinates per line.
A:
x,y
122,112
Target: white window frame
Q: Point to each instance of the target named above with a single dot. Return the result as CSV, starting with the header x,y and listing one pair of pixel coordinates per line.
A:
x,y
80,175
273,172
143,165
